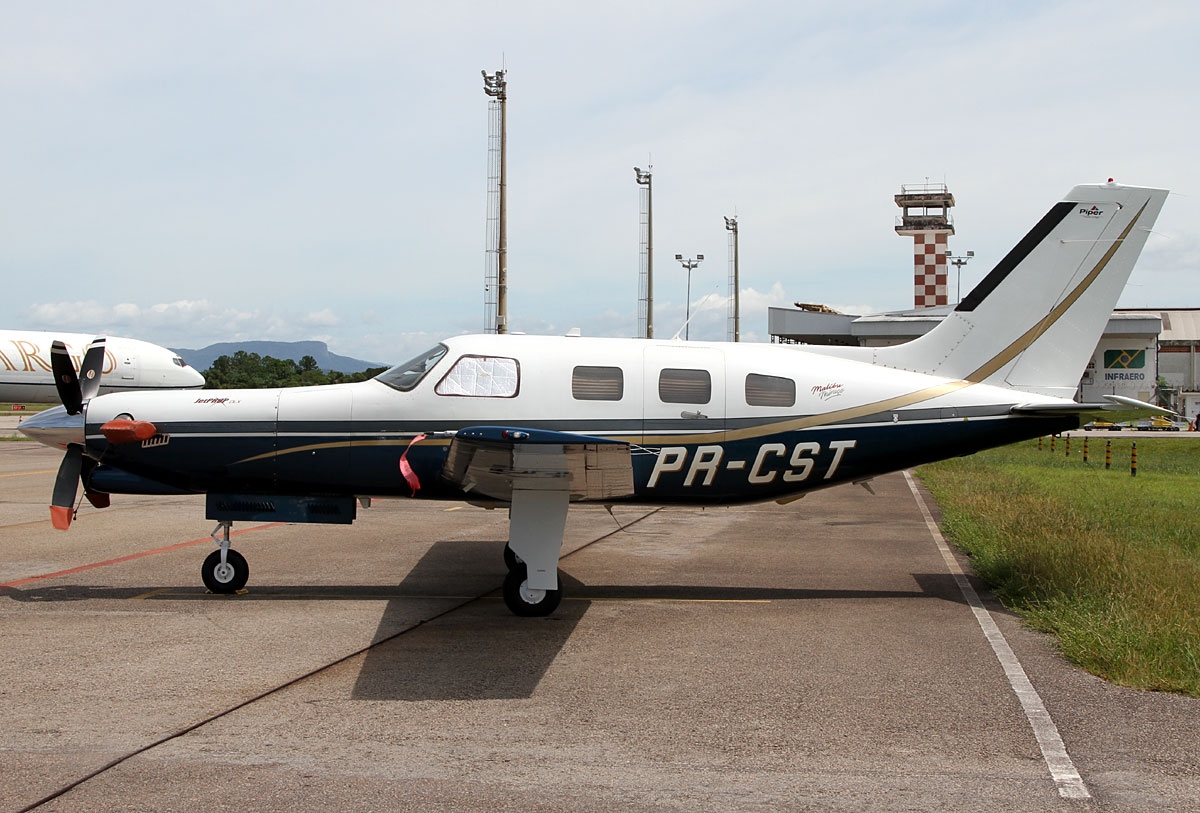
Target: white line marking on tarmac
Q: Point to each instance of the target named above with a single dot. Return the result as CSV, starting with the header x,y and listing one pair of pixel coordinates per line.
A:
x,y
1054,752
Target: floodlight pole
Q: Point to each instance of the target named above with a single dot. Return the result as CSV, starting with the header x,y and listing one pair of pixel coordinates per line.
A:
x,y
735,326
646,295
958,263
494,85
689,264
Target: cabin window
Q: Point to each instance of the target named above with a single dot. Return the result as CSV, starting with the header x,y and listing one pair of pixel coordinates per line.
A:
x,y
597,383
405,376
481,377
680,386
770,391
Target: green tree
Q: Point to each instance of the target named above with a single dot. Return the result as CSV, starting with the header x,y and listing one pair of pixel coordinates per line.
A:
x,y
245,370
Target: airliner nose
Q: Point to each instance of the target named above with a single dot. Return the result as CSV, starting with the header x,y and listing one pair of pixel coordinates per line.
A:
x,y
54,427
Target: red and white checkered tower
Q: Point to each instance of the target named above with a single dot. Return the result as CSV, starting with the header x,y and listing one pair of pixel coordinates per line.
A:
x,y
926,217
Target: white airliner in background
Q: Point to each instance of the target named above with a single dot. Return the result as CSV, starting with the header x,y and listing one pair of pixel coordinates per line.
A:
x,y
129,364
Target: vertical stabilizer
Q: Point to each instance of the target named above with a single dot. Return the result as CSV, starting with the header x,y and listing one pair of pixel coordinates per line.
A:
x,y
1034,321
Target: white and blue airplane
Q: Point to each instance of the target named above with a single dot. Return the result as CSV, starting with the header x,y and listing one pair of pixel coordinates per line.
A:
x,y
535,423
128,365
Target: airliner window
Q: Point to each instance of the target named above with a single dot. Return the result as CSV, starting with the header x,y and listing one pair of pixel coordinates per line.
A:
x,y
597,384
405,376
481,377
770,390
678,386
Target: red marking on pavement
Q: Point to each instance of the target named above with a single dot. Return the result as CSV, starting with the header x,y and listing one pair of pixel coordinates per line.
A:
x,y
132,556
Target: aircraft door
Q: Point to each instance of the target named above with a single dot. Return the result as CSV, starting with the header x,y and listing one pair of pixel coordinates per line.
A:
x,y
683,395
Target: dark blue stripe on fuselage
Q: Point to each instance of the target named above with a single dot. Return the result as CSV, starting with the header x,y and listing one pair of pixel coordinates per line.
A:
x,y
764,467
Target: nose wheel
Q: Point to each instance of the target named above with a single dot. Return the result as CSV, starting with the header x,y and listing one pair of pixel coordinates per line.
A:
x,y
228,576
224,570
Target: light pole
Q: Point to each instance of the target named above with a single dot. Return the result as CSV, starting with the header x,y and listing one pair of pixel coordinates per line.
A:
x,y
735,304
689,264
959,262
646,297
495,86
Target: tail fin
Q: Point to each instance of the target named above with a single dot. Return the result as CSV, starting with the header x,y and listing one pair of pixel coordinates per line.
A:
x,y
1034,321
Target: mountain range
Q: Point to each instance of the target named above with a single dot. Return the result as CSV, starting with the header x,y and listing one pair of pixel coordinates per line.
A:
x,y
203,358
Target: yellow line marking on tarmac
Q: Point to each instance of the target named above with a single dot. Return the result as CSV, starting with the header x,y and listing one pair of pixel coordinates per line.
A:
x,y
165,592
27,473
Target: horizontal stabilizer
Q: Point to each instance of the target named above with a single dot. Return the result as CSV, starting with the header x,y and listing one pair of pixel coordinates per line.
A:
x,y
492,461
1113,407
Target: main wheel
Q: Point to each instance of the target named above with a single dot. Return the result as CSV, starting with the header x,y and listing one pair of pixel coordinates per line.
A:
x,y
225,578
526,601
511,560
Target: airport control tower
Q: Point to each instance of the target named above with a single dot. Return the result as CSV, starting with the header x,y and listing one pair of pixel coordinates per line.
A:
x,y
926,217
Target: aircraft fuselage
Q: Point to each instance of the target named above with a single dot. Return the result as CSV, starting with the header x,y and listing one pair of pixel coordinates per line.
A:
x,y
705,422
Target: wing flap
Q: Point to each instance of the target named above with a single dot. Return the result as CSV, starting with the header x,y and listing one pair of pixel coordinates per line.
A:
x,y
494,460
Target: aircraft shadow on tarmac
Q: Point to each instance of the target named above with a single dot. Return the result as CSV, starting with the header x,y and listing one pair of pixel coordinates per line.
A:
x,y
471,648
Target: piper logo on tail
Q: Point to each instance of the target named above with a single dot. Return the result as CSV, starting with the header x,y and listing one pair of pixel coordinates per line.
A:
x,y
1095,211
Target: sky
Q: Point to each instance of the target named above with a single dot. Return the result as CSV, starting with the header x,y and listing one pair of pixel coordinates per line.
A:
x,y
195,173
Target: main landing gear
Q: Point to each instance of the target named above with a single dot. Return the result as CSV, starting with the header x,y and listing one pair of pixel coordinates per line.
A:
x,y
225,570
519,597
537,521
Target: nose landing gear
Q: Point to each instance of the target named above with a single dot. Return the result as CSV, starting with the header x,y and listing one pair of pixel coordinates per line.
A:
x,y
224,570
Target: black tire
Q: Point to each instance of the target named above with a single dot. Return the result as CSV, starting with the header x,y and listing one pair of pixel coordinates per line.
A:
x,y
518,601
511,560
225,580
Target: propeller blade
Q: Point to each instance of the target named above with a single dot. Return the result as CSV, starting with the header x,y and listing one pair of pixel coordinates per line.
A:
x,y
90,369
65,378
66,484
98,499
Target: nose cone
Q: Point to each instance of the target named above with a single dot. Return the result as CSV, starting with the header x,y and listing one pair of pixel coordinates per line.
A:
x,y
194,379
54,427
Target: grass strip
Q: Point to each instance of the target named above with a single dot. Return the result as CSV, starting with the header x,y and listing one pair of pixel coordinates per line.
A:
x,y
1107,562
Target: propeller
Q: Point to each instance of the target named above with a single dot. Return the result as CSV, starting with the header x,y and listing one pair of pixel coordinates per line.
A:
x,y
74,390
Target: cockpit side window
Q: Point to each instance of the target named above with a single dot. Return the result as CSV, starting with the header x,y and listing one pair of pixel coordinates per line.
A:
x,y
405,376
482,377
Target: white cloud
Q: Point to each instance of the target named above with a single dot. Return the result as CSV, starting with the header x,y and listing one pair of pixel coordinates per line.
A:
x,y
322,318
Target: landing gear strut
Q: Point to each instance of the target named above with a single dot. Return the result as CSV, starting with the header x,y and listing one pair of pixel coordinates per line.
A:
x,y
224,570
536,524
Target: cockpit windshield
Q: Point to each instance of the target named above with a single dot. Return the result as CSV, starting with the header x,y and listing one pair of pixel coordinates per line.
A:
x,y
405,376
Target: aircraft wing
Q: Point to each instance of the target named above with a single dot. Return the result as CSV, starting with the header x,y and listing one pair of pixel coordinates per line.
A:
x,y
492,461
1113,408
